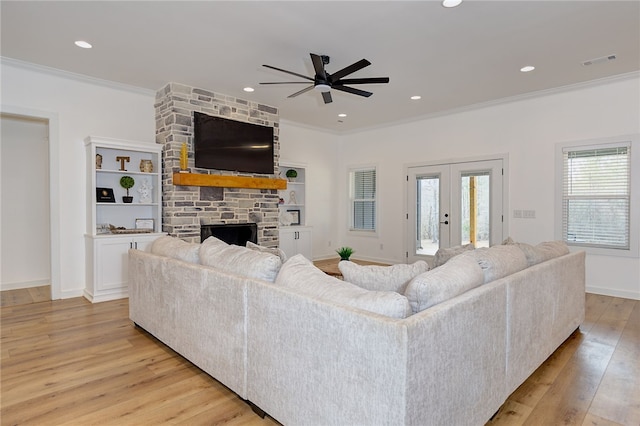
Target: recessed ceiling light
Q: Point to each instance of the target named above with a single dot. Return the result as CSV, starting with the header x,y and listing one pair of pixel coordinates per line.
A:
x,y
451,3
248,89
416,97
528,68
83,44
342,114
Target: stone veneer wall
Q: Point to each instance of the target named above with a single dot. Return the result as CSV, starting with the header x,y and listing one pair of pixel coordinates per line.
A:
x,y
185,208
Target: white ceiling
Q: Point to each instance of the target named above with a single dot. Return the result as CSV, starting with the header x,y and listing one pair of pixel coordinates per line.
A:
x,y
453,58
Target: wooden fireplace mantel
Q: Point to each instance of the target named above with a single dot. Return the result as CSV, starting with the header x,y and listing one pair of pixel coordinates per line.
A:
x,y
195,179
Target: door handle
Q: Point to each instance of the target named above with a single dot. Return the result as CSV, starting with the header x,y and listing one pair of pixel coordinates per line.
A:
x,y
446,222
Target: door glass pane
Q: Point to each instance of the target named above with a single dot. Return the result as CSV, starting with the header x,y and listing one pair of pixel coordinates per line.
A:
x,y
475,209
428,214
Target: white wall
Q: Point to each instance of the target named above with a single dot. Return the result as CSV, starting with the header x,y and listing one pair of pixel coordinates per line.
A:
x,y
528,131
317,151
26,257
83,108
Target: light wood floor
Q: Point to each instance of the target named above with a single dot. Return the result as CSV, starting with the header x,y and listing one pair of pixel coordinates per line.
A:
x,y
70,362
25,296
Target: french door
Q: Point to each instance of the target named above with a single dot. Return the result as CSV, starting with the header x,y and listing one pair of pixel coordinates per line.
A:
x,y
453,204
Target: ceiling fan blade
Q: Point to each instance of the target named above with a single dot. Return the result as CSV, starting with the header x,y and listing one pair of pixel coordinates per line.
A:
x,y
350,69
352,90
287,82
300,92
288,72
370,80
327,97
318,65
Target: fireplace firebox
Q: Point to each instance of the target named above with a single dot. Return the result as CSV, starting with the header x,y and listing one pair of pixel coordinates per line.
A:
x,y
231,233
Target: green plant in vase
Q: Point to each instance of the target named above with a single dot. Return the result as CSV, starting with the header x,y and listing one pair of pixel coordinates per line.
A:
x,y
345,252
127,182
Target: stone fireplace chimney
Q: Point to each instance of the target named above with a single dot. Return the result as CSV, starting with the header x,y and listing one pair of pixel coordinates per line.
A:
x,y
186,208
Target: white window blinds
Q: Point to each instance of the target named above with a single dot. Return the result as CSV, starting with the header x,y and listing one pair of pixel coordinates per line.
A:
x,y
363,199
596,196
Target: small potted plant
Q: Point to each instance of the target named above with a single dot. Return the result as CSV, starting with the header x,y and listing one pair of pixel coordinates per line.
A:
x,y
291,174
127,182
345,252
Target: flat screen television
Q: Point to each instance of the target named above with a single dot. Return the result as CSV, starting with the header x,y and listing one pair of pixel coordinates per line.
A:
x,y
224,144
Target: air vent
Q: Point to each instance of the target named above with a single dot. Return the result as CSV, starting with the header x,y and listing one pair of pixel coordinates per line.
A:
x,y
599,60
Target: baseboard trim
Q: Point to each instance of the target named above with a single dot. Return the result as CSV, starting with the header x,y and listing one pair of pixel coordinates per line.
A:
x,y
635,295
26,284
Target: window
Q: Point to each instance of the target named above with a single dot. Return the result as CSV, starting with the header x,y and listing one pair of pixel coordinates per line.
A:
x,y
596,196
363,199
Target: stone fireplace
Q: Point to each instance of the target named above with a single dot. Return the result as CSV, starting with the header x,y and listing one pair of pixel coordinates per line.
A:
x,y
186,208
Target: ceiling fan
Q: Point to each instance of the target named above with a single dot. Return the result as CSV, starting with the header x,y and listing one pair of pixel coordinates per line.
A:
x,y
324,82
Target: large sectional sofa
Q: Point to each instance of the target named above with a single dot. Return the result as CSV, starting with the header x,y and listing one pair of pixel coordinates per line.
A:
x,y
440,347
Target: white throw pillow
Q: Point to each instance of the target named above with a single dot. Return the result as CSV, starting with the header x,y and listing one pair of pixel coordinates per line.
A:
x,y
382,278
543,251
176,248
239,260
273,250
499,261
455,277
299,274
444,254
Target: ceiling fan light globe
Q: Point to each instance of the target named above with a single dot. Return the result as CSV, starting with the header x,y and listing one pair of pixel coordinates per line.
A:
x,y
322,87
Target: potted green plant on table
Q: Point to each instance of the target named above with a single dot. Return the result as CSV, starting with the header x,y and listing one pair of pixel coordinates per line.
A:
x,y
127,182
345,252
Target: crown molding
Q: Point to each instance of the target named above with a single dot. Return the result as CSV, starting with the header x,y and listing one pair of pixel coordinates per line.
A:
x,y
75,76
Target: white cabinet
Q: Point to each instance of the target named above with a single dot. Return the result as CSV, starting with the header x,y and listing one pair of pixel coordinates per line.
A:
x,y
296,240
295,237
135,224
108,266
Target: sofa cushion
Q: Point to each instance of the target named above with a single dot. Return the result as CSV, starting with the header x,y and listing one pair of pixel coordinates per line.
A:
x,y
176,248
273,250
239,260
542,252
381,278
499,261
455,277
299,274
444,254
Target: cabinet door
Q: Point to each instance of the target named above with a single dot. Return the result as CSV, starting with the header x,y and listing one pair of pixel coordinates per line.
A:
x,y
143,243
287,242
112,270
304,242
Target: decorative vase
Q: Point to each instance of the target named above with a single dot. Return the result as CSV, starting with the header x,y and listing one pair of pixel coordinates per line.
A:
x,y
146,166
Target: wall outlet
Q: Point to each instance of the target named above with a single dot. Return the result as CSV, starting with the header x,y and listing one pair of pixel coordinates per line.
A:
x,y
381,246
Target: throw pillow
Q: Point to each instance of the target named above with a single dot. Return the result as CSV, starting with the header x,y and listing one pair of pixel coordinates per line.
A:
x,y
455,277
176,248
300,275
444,254
499,261
381,278
543,251
273,250
239,260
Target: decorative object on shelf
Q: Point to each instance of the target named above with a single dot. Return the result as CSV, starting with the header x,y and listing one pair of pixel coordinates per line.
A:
x,y
295,216
105,195
285,218
291,174
98,161
144,224
280,200
127,182
122,160
292,198
145,191
345,252
146,166
183,157
102,228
